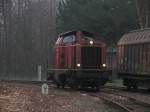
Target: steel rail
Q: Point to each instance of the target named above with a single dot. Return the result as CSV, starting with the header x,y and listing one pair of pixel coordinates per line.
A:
x,y
110,101
37,83
130,108
114,90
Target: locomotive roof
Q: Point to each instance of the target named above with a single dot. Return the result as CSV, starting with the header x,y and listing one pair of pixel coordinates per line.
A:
x,y
135,37
74,31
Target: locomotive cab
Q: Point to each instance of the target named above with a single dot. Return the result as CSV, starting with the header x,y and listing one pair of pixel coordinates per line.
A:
x,y
80,60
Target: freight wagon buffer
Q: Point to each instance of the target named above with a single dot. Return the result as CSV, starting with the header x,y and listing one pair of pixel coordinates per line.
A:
x,y
79,60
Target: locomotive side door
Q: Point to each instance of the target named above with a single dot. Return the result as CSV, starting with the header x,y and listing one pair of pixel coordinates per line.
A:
x,y
70,57
69,51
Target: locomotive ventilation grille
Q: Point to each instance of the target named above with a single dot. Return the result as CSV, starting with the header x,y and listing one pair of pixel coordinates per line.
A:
x,y
91,57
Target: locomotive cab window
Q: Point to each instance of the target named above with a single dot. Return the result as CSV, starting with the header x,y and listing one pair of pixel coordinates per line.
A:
x,y
59,40
87,36
69,39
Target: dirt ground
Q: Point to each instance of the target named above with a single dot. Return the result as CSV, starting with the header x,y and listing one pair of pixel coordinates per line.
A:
x,y
27,98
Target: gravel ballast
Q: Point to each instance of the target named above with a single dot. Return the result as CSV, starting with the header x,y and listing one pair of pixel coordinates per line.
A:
x,y
28,98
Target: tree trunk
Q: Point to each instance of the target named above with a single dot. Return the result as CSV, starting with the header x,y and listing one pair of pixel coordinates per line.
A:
x,y
143,11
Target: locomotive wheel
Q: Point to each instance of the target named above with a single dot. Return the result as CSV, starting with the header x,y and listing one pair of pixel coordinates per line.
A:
x,y
74,86
62,80
73,83
60,86
57,85
97,88
135,87
128,87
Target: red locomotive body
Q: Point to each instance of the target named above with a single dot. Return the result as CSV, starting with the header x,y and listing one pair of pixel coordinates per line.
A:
x,y
79,60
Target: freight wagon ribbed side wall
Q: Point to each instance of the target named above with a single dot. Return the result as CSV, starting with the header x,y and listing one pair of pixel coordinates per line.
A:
x,y
134,53
134,59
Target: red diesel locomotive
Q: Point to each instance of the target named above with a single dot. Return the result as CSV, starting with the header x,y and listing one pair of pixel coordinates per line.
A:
x,y
79,60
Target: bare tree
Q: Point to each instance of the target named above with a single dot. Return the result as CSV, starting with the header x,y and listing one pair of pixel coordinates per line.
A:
x,y
27,33
143,9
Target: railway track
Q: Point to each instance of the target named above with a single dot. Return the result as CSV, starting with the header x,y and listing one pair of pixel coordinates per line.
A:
x,y
125,103
139,90
35,83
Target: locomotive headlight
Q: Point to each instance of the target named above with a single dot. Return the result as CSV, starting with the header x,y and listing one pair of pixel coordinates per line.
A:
x,y
91,42
104,65
78,65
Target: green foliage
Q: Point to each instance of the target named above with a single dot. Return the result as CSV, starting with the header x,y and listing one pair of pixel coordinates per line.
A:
x,y
108,19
